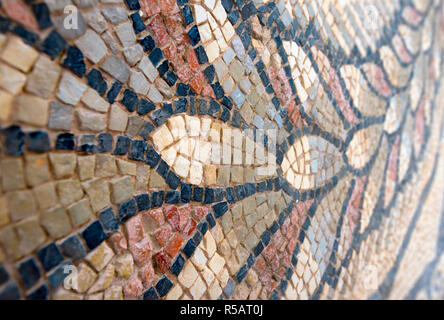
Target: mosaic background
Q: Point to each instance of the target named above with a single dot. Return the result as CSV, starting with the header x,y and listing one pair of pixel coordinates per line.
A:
x,y
221,149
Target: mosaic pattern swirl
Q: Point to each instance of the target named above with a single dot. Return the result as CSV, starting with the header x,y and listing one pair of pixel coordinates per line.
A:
x,y
221,149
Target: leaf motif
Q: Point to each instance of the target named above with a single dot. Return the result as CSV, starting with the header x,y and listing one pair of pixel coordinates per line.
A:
x,y
363,145
310,162
318,243
375,76
364,99
396,73
195,147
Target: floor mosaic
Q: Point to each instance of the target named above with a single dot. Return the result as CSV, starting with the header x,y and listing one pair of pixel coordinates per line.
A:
x,y
221,149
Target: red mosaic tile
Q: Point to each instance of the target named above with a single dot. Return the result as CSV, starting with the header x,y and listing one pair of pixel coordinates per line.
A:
x,y
147,274
168,7
163,234
162,261
142,251
172,215
133,288
184,214
134,230
198,82
157,216
159,30
20,13
175,244
189,228
200,212
118,242
149,7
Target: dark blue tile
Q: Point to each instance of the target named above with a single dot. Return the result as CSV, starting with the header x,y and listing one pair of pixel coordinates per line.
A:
x,y
180,105
29,272
145,107
172,197
163,67
150,294
10,292
274,227
143,201
4,275
185,193
85,143
157,198
163,286
113,92
214,107
210,219
202,227
147,128
94,234
194,36
27,36
5,24
178,264
156,56
229,288
42,15
201,55
274,295
14,140
53,44
122,145
41,293
138,24
209,196
197,238
57,277
50,256
133,4
73,248
227,4
127,210
161,115
138,149
202,105
209,73
65,141
147,43
75,61
163,169
258,249
265,237
187,14
240,275
233,16
182,89
229,194
218,90
130,100
108,219
171,78
152,157
104,142
173,180
96,81
250,260
227,102
197,194
189,248
220,209
219,194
